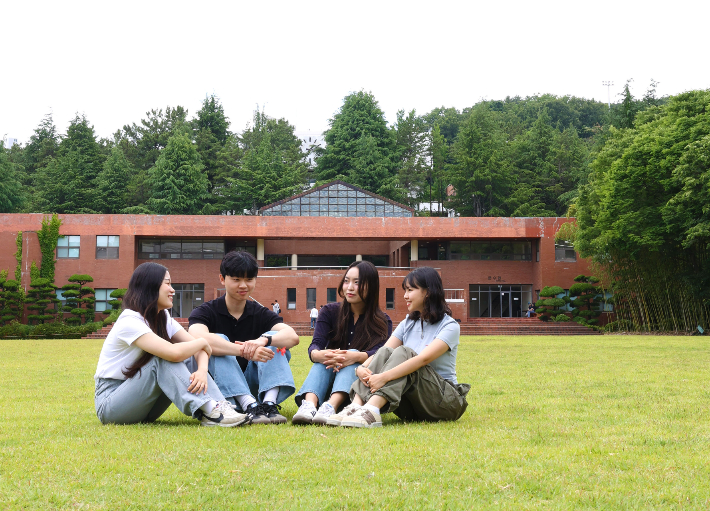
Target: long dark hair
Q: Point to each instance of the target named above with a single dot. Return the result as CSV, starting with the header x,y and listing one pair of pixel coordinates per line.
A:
x,y
372,325
435,306
142,297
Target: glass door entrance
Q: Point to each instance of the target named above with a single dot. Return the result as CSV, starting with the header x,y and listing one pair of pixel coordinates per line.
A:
x,y
498,300
187,297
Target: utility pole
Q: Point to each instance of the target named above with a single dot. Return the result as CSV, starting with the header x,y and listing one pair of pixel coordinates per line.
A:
x,y
608,84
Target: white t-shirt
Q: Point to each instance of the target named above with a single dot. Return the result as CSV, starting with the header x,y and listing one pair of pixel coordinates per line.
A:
x,y
412,335
118,351
276,308
314,312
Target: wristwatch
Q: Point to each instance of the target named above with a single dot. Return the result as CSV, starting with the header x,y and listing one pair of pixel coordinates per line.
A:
x,y
268,340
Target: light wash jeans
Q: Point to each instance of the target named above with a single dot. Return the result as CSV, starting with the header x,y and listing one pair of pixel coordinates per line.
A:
x,y
323,382
147,395
255,380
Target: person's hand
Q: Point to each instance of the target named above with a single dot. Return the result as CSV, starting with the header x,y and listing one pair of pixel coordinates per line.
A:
x,y
254,350
364,374
328,358
343,358
376,381
198,382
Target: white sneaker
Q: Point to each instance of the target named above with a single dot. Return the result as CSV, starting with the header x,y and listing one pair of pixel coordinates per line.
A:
x,y
325,411
362,418
336,419
305,413
224,415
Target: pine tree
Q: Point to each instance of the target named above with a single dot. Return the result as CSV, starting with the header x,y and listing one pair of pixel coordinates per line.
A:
x,y
179,186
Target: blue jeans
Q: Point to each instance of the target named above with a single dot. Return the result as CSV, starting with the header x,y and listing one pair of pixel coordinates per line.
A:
x,y
255,380
323,382
313,322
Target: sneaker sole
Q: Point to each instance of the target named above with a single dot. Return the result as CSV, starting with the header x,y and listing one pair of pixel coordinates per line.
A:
x,y
322,421
347,424
282,420
301,421
210,424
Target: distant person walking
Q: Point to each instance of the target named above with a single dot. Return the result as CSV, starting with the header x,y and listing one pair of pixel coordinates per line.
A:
x,y
314,317
276,307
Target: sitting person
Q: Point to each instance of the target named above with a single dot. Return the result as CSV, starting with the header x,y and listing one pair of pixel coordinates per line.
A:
x,y
531,310
244,337
346,334
141,370
414,374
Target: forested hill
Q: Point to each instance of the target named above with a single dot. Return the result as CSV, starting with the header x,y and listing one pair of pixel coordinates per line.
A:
x,y
511,157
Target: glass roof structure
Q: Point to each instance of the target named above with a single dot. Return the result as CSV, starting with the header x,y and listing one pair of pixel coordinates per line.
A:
x,y
337,199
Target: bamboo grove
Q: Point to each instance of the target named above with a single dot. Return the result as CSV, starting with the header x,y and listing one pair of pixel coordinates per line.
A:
x,y
644,216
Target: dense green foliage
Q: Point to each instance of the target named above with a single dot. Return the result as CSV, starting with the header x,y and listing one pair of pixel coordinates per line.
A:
x,y
79,300
644,215
47,237
549,305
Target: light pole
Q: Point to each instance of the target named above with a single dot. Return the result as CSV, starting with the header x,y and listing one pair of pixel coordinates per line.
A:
x,y
608,84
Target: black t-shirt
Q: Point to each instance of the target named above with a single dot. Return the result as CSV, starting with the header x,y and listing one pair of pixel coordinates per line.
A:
x,y
254,321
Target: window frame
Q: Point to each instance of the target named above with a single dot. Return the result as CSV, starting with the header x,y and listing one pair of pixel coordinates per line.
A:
x,y
111,252
388,291
291,304
61,247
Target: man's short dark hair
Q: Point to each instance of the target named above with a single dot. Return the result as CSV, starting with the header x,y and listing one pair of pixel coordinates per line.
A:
x,y
239,264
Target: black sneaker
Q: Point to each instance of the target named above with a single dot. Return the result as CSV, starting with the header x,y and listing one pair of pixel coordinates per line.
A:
x,y
271,410
257,415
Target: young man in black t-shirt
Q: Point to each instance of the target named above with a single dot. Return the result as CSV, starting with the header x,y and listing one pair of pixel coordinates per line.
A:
x,y
245,337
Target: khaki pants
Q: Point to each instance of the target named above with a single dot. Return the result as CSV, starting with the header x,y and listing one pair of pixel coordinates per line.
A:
x,y
422,395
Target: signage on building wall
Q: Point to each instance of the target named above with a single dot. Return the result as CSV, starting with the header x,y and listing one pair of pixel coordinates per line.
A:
x,y
496,278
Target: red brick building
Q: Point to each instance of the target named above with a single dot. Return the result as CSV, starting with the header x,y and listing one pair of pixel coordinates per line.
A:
x,y
491,267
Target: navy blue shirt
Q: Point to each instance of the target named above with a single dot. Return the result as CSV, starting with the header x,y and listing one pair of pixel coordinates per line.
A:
x,y
327,325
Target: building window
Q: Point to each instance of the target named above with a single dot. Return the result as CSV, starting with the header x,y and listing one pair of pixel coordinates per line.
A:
x,y
564,252
180,249
332,295
107,247
389,298
103,296
291,298
60,297
310,298
68,247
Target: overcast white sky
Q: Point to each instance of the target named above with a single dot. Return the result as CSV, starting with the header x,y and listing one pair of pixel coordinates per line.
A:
x,y
113,61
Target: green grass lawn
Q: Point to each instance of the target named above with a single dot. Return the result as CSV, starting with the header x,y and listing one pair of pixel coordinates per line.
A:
x,y
612,422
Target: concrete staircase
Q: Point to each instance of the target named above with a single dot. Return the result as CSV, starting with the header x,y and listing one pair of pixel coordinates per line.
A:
x,y
474,326
522,326
302,328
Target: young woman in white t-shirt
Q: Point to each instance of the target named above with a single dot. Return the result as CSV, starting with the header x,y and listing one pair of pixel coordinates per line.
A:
x,y
141,370
414,374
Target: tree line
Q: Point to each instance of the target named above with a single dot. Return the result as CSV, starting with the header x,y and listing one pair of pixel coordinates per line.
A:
x,y
512,157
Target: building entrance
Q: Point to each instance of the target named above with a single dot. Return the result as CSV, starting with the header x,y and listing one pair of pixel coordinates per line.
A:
x,y
187,297
498,300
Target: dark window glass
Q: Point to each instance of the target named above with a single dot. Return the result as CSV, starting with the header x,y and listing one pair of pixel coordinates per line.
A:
x,y
310,298
332,295
389,298
564,251
291,298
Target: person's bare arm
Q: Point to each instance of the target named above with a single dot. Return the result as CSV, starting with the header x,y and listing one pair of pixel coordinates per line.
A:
x,y
168,351
220,347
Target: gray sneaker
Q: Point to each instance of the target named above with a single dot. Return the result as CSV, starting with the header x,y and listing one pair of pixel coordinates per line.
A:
x,y
223,415
324,412
272,412
305,413
257,415
336,419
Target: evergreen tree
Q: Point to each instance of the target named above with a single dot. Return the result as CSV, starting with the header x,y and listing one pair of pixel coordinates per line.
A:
x,y
179,186
211,130
359,117
12,196
113,182
412,167
481,173
43,145
67,184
